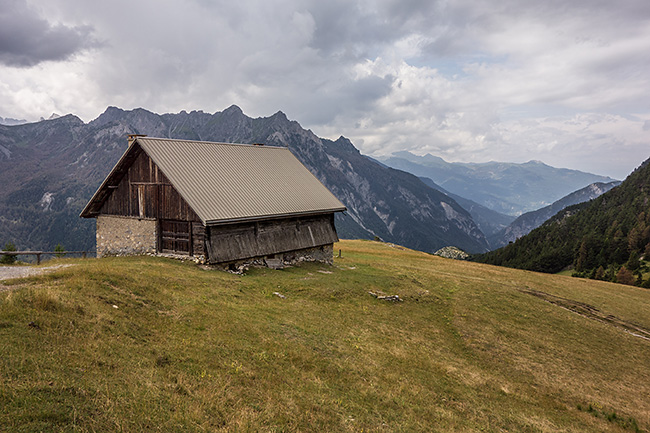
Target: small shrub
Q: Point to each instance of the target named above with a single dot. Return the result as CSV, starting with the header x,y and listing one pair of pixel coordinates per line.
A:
x,y
163,360
8,259
59,250
628,423
46,301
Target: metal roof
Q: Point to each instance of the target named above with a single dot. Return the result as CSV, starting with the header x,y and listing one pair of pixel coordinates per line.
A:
x,y
225,182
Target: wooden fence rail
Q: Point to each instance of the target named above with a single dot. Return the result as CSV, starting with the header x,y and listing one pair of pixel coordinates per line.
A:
x,y
39,253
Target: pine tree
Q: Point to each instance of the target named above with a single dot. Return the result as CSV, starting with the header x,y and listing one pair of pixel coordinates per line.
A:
x,y
633,262
581,261
600,273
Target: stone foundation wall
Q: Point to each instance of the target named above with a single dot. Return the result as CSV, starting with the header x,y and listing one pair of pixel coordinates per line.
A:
x,y
117,236
324,253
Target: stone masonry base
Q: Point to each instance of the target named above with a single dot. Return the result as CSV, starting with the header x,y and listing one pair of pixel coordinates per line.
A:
x,y
118,236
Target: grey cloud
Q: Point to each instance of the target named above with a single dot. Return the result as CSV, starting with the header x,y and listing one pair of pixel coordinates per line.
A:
x,y
346,29
371,88
352,100
27,39
342,97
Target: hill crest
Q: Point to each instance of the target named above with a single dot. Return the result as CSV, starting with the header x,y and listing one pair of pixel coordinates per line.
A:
x,y
147,341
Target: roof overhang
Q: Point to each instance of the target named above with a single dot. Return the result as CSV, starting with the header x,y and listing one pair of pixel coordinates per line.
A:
x,y
276,216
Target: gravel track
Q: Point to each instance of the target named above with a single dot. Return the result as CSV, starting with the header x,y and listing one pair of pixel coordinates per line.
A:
x,y
10,272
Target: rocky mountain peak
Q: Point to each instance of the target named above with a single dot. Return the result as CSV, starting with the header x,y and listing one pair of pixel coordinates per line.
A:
x,y
68,119
111,114
233,110
344,143
280,116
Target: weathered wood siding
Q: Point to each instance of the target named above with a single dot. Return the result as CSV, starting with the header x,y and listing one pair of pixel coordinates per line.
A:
x,y
245,240
198,239
145,192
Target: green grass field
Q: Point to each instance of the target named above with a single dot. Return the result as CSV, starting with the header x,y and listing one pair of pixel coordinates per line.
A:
x,y
152,344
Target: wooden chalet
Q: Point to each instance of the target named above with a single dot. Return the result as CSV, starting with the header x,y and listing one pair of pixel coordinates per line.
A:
x,y
219,202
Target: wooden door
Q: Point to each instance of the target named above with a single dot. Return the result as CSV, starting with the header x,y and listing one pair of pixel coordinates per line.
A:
x,y
176,237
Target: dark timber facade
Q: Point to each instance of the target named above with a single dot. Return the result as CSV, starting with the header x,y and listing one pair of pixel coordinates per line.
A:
x,y
140,210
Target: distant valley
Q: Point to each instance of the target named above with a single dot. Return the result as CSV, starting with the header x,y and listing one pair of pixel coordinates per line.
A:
x,y
489,221
507,188
529,221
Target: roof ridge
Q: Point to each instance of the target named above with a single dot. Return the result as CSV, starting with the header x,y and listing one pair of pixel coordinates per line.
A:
x,y
147,138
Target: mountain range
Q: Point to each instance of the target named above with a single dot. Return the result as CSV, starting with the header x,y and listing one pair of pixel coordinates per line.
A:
x,y
11,121
507,188
49,169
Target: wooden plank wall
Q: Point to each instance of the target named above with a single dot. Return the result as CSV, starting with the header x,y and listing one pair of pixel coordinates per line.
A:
x,y
145,192
240,241
198,239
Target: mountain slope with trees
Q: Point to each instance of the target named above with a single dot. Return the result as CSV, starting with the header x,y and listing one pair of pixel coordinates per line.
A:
x,y
529,221
603,238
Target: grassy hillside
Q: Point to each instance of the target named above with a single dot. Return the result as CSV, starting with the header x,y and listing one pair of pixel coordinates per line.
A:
x,y
151,344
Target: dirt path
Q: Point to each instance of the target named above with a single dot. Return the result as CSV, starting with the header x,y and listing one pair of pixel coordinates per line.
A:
x,y
592,312
10,272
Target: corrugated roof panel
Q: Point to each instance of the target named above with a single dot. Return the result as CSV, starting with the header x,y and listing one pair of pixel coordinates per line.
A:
x,y
223,182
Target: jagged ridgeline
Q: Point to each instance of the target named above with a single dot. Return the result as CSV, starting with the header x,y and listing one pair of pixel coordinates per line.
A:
x,y
49,169
596,238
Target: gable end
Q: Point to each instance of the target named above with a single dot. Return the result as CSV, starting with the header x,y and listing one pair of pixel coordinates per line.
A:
x,y
137,188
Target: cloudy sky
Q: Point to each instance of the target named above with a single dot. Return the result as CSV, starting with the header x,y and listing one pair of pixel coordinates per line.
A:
x,y
565,82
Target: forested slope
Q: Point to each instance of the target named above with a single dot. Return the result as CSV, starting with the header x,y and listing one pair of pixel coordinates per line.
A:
x,y
597,238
